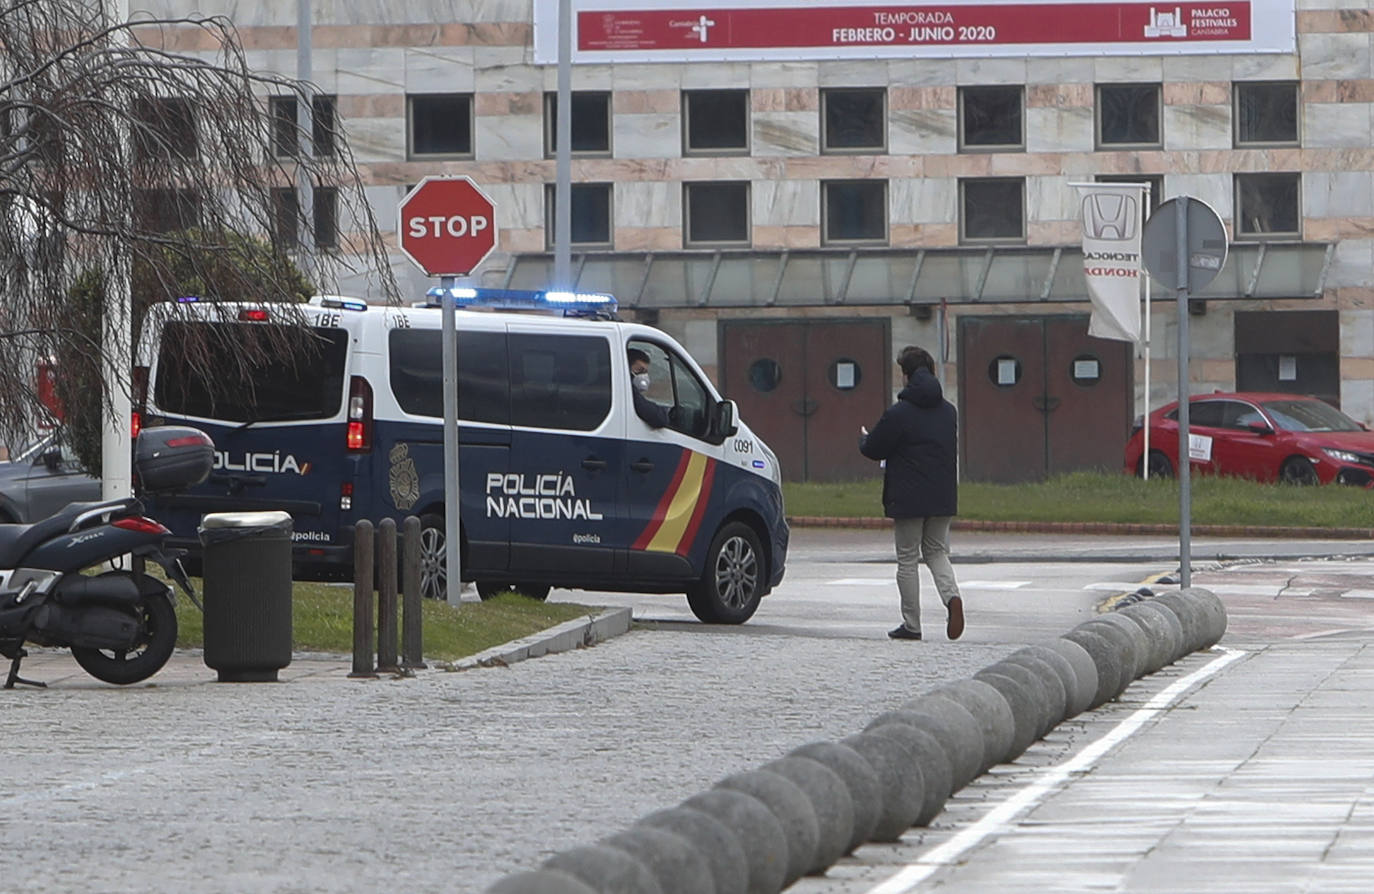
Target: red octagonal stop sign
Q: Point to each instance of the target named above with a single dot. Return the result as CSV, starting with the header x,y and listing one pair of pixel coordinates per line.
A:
x,y
447,225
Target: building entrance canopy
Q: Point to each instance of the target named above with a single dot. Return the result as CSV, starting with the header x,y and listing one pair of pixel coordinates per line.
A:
x,y
820,277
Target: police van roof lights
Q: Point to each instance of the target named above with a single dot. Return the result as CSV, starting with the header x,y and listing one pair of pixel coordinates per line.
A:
x,y
333,302
569,304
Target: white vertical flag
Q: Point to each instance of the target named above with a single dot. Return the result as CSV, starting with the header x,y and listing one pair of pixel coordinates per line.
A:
x,y
1111,257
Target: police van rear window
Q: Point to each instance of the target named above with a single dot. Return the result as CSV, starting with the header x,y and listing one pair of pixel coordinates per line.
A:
x,y
205,375
417,374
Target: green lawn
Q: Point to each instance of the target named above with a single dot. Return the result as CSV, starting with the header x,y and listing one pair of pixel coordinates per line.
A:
x,y
1103,497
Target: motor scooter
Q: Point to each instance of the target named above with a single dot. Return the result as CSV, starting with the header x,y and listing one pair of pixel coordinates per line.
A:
x,y
120,623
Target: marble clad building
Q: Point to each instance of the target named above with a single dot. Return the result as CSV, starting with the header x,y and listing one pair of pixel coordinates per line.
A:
x,y
795,215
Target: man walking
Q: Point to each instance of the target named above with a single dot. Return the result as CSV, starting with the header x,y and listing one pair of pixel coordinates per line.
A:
x,y
918,440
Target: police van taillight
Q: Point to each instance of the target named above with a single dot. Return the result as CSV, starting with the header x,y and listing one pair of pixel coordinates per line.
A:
x,y
359,415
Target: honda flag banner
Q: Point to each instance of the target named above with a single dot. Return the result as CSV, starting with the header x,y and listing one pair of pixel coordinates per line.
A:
x,y
1112,224
767,30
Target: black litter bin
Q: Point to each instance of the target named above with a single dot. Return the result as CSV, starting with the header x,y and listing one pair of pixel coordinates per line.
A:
x,y
247,583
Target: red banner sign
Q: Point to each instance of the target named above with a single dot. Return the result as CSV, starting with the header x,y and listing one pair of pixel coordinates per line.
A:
x,y
686,29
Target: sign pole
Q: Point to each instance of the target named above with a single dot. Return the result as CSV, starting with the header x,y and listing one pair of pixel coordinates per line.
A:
x,y
452,504
562,141
1145,411
1184,456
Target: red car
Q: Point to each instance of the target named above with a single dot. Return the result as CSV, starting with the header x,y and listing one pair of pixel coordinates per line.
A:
x,y
1265,437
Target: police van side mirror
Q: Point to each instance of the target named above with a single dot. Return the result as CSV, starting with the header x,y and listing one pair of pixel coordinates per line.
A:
x,y
727,419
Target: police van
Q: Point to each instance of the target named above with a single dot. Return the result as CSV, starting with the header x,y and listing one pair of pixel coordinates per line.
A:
x,y
562,482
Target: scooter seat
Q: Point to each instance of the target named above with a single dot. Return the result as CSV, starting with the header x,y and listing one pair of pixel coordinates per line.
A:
x,y
17,540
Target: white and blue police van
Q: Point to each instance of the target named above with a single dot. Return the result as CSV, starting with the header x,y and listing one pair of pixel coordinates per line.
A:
x,y
562,482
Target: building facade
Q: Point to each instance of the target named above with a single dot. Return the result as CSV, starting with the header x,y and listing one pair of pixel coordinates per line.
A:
x,y
798,195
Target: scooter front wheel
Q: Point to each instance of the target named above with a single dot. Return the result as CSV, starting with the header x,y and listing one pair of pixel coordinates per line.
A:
x,y
157,639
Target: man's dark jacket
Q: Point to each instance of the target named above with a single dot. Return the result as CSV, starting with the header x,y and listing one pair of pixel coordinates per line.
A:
x,y
918,436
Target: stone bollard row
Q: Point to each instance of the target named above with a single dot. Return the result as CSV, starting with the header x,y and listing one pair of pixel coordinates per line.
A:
x,y
758,831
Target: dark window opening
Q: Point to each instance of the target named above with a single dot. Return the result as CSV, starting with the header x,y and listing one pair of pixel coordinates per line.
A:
x,y
165,129
716,213
990,118
1266,114
715,122
1128,115
440,124
323,123
285,218
591,123
591,214
166,210
560,381
1268,205
326,217
993,210
853,120
855,211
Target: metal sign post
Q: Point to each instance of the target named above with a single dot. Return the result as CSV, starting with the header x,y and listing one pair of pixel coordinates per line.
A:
x,y
1184,246
447,226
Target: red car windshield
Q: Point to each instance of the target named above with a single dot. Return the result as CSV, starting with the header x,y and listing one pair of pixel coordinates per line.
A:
x,y
1309,415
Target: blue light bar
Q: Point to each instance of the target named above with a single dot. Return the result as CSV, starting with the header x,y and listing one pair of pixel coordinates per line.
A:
x,y
188,299
568,304
345,303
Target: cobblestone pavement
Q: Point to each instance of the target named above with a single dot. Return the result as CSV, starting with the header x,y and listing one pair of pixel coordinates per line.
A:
x,y
445,782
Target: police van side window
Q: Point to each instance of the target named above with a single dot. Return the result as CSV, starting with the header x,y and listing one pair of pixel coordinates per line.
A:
x,y
672,384
417,374
559,381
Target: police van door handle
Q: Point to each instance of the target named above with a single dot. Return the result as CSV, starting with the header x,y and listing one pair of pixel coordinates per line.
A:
x,y
592,464
642,465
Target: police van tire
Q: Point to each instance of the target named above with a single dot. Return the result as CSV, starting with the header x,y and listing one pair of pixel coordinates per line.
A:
x,y
433,581
490,590
732,582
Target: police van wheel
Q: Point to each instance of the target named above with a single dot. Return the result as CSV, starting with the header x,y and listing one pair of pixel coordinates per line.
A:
x,y
732,583
490,590
433,556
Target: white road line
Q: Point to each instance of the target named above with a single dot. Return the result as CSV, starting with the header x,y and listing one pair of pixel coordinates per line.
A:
x,y
993,584
1000,817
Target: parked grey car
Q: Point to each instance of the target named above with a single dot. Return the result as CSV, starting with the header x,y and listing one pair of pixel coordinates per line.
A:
x,y
42,478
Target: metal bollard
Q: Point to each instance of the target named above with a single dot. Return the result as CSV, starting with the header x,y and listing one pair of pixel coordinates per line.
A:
x,y
411,600
362,600
386,596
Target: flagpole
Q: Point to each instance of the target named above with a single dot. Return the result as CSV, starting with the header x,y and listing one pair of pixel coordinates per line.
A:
x,y
1145,412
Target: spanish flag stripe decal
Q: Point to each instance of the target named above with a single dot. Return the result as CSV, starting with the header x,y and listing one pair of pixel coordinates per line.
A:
x,y
703,498
661,510
683,505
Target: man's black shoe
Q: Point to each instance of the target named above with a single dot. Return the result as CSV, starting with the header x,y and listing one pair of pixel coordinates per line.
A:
x,y
903,633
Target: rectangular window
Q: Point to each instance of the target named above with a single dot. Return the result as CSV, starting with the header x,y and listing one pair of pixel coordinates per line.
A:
x,y
853,120
440,124
591,214
417,374
716,213
991,119
591,123
285,140
854,211
325,210
559,381
164,128
323,123
992,210
1128,115
286,211
715,122
1156,182
1268,205
301,384
166,210
1266,114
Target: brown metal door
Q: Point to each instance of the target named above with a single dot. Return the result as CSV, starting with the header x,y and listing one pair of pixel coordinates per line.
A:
x,y
805,387
1001,395
1039,397
1089,384
848,371
762,370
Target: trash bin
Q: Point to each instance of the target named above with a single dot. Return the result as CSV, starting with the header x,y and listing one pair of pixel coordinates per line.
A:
x,y
247,594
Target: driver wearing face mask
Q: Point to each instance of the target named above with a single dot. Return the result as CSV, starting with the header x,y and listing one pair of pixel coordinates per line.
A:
x,y
652,413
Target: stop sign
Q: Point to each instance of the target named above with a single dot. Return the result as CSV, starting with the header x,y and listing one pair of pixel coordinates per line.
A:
x,y
447,225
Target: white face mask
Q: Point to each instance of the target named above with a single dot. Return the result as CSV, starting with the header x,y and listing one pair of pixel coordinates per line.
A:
x,y
641,382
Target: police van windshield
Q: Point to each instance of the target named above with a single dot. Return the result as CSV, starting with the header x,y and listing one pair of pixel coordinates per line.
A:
x,y
307,384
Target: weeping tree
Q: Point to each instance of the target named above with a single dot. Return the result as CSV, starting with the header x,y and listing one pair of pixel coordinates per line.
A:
x,y
125,158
